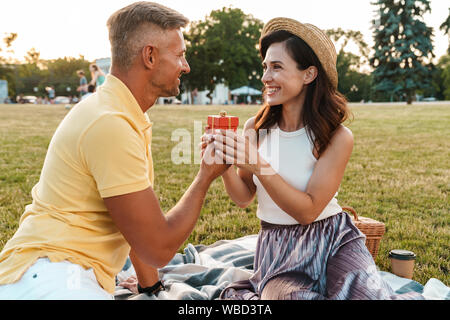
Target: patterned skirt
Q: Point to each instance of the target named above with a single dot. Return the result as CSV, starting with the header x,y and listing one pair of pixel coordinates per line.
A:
x,y
325,260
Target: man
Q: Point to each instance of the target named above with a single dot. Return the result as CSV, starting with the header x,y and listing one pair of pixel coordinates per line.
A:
x,y
83,87
94,199
51,94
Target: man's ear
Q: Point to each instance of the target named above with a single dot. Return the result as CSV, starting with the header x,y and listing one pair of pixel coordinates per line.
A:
x,y
149,56
310,74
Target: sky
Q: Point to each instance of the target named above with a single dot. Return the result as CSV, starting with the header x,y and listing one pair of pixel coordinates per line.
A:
x,y
58,28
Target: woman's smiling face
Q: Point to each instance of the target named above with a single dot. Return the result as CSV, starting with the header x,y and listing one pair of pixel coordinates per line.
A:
x,y
282,79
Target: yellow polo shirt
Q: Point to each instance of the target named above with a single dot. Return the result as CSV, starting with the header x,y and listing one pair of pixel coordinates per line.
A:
x,y
100,149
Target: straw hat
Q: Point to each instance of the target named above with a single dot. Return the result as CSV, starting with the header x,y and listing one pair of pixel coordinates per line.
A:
x,y
319,42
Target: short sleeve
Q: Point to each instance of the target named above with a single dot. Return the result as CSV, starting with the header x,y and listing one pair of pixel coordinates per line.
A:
x,y
114,153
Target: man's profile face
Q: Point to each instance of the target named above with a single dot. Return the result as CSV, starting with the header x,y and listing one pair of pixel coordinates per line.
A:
x,y
172,64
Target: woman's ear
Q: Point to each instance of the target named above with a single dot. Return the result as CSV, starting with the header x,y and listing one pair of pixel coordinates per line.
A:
x,y
310,74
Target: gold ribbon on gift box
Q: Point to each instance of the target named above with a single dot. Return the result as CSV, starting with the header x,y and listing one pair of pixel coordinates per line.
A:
x,y
222,114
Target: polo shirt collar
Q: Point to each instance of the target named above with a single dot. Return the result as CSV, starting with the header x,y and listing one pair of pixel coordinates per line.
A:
x,y
116,87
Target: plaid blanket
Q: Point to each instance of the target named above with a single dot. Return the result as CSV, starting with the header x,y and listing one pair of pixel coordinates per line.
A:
x,y
202,272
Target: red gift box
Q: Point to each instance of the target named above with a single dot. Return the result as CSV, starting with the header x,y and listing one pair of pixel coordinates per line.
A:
x,y
222,121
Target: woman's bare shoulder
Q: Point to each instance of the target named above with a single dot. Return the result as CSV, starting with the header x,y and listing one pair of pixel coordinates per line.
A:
x,y
249,124
343,137
344,133
249,130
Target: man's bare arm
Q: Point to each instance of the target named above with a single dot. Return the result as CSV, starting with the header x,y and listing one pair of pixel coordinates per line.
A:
x,y
154,236
146,275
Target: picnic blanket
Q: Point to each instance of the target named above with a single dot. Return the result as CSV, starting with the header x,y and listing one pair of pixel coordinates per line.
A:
x,y
202,272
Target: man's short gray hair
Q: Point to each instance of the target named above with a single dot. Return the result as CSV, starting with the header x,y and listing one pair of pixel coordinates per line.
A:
x,y
124,24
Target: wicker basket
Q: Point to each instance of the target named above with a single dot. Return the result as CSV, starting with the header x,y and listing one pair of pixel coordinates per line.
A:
x,y
373,229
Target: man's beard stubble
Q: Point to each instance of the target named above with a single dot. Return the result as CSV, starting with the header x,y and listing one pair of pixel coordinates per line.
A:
x,y
165,90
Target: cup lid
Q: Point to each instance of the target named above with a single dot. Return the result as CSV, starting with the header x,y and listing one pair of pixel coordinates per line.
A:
x,y
402,254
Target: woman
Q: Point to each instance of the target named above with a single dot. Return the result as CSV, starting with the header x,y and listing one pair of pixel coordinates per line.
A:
x,y
97,75
307,247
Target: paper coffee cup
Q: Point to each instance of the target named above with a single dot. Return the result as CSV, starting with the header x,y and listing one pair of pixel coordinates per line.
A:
x,y
402,263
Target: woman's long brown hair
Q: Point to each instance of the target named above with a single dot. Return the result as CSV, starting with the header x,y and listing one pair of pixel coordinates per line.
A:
x,y
324,108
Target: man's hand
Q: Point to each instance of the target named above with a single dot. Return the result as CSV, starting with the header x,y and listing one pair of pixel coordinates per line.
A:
x,y
212,166
130,284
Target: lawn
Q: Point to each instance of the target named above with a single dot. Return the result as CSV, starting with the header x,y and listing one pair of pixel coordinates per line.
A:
x,y
398,174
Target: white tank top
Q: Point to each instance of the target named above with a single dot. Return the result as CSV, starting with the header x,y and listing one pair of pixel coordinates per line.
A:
x,y
294,162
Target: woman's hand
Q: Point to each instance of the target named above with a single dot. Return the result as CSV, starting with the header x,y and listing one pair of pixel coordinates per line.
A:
x,y
237,150
206,139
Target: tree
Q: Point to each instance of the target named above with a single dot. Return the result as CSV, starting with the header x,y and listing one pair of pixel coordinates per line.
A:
x,y
7,40
403,48
445,26
37,73
201,59
353,82
24,77
443,81
61,73
342,38
223,49
29,75
33,56
7,71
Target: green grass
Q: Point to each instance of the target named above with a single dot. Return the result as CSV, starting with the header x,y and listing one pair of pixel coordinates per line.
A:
x,y
398,174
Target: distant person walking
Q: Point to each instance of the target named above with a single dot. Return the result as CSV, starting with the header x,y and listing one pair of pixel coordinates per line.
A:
x,y
51,94
91,90
83,88
98,76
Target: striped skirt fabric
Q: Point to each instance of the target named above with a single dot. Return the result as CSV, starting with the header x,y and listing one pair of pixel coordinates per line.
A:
x,y
326,260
